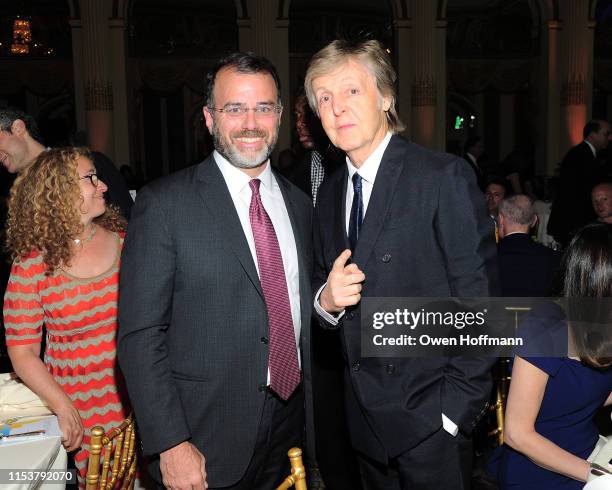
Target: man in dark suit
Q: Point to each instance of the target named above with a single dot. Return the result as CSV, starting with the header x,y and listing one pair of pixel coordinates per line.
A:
x,y
526,268
579,172
215,298
472,151
413,223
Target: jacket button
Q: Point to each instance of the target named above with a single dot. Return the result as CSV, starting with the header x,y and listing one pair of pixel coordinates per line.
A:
x,y
386,258
356,366
262,387
390,368
264,340
349,315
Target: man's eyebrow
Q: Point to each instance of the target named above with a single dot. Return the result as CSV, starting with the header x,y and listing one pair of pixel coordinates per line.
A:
x,y
256,103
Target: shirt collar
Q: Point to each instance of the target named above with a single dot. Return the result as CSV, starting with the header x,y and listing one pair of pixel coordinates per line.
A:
x,y
369,169
236,179
471,157
592,148
516,233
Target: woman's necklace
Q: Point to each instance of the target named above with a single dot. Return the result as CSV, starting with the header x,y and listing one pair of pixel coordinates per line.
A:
x,y
79,242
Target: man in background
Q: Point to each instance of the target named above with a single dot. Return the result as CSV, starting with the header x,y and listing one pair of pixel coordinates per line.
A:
x,y
306,168
601,197
21,143
526,268
20,139
579,173
495,191
316,158
472,151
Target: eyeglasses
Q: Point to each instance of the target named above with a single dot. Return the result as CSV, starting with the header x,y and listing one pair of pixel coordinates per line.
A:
x,y
93,178
239,110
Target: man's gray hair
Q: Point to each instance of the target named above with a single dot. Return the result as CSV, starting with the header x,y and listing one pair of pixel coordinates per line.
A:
x,y
372,55
518,209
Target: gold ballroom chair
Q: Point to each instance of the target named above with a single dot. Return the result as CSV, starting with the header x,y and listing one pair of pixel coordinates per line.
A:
x,y
116,447
501,378
298,472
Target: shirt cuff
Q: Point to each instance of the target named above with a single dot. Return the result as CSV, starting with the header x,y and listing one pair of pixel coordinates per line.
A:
x,y
328,317
449,426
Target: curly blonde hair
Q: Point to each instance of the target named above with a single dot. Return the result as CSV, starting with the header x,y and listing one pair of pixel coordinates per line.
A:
x,y
42,215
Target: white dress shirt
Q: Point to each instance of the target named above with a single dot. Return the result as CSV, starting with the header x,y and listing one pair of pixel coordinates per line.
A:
x,y
592,148
368,172
272,199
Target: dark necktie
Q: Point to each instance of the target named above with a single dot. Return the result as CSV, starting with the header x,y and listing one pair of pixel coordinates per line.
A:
x,y
356,212
283,363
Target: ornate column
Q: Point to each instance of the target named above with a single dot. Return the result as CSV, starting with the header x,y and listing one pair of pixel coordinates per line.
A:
x,y
507,113
118,76
267,34
97,82
244,34
547,152
577,78
428,86
281,60
404,73
76,29
262,13
440,64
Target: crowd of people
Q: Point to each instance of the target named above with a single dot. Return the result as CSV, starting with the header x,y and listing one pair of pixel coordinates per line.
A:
x,y
234,328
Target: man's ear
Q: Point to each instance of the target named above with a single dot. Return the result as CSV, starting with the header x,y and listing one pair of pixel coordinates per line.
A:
x,y
208,119
534,221
18,127
386,105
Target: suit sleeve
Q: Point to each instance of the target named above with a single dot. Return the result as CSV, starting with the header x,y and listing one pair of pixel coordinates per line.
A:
x,y
320,274
145,305
466,236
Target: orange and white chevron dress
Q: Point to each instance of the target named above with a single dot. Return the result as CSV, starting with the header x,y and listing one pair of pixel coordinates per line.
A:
x,y
80,319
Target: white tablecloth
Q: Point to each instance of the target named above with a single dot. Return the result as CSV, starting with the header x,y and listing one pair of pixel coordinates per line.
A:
x,y
601,483
38,453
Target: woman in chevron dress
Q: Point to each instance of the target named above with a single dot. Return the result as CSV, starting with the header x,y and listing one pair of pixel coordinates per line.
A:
x,y
66,244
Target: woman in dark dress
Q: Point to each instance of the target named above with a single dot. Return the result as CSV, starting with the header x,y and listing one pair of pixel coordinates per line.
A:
x,y
549,428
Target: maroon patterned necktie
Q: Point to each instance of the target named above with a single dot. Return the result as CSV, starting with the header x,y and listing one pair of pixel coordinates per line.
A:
x,y
283,363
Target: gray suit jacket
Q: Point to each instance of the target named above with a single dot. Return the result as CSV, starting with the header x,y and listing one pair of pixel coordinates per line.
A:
x,y
193,328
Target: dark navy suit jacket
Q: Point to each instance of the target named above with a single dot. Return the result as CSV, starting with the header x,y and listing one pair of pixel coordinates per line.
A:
x,y
426,233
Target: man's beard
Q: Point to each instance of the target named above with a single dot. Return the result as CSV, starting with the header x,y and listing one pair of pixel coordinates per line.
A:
x,y
238,159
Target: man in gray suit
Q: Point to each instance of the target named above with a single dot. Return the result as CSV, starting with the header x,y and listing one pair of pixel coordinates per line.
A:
x,y
214,308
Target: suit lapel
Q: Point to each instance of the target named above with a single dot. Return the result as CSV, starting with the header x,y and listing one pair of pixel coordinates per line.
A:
x,y
215,194
380,200
300,244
